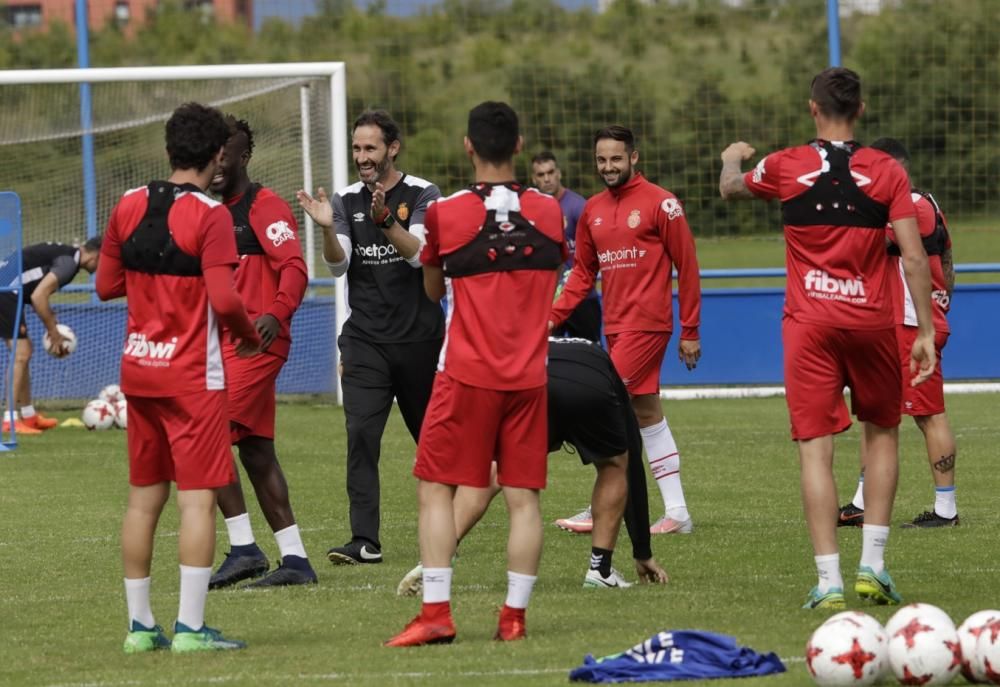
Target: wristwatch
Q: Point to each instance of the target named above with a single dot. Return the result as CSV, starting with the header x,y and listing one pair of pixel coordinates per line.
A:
x,y
386,222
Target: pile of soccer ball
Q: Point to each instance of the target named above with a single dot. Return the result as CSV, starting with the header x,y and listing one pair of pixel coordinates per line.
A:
x,y
919,645
108,410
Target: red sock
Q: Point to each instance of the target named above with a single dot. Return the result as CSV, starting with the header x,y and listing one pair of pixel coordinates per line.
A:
x,y
436,611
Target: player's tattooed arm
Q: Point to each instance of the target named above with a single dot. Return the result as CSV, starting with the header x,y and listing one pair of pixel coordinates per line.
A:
x,y
948,267
731,183
945,464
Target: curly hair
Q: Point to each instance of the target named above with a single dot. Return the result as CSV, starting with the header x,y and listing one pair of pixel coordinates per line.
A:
x,y
195,133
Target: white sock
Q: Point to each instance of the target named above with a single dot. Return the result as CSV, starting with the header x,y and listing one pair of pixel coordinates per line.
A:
x,y
944,502
240,530
137,597
665,463
874,538
437,585
194,591
859,495
828,569
519,589
12,416
27,411
290,542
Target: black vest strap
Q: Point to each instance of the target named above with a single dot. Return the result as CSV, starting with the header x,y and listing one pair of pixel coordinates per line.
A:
x,y
151,248
503,245
246,239
834,199
937,242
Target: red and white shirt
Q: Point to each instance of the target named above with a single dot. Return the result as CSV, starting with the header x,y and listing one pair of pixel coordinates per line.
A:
x,y
838,276
496,332
906,314
173,343
273,283
635,235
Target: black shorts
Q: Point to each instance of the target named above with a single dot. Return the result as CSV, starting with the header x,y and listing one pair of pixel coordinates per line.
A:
x,y
588,412
8,312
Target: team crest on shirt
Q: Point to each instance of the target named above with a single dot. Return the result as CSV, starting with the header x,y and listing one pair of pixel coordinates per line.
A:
x,y
279,232
672,207
598,222
402,212
634,218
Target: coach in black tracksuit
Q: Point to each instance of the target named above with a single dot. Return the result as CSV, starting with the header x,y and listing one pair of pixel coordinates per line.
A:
x,y
390,343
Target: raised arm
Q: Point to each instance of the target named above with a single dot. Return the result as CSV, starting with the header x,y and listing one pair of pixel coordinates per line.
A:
x,y
731,183
330,215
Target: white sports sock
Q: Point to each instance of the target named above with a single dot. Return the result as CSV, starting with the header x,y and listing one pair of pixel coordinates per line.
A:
x,y
194,591
27,411
665,464
859,495
874,538
240,530
519,588
828,569
290,542
437,585
137,597
944,502
12,416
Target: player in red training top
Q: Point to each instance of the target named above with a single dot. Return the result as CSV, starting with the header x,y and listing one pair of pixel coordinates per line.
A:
x,y
635,233
925,403
271,279
838,329
499,244
170,249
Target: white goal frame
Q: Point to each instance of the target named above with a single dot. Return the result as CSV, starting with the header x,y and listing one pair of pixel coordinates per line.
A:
x,y
336,72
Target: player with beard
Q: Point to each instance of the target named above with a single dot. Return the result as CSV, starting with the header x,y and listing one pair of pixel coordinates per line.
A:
x,y
271,280
635,234
389,345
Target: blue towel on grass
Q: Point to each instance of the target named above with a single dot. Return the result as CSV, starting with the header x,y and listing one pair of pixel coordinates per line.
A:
x,y
678,655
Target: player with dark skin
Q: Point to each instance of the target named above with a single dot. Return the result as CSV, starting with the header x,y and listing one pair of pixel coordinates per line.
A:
x,y
257,453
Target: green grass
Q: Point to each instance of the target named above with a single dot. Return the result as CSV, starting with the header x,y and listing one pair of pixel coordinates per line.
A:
x,y
975,239
744,571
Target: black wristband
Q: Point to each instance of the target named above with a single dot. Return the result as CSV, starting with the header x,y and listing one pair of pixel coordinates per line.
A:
x,y
385,223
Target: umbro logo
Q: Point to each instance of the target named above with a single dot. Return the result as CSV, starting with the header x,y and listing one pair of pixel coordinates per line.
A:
x,y
359,217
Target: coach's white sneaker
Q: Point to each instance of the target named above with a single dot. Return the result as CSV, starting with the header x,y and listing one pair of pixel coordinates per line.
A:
x,y
581,523
594,580
412,583
667,525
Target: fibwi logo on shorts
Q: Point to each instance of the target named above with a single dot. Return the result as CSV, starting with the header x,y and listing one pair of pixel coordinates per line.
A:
x,y
279,232
820,284
138,346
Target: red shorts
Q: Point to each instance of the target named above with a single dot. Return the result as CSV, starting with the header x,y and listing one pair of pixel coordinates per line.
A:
x,y
182,439
250,383
820,361
927,398
638,357
466,428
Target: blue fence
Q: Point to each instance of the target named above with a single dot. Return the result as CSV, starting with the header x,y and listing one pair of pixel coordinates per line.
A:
x,y
740,332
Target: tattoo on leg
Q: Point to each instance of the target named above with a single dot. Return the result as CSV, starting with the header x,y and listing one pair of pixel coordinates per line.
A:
x,y
946,464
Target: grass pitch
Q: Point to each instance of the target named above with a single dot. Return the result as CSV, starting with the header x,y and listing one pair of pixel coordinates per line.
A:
x,y
744,571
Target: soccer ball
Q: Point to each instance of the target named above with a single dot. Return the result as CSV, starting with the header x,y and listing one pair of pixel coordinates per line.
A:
x,y
69,340
986,657
904,615
968,633
121,414
875,627
923,646
112,393
846,651
98,414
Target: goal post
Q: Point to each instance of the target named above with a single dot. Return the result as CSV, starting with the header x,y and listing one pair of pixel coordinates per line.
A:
x,y
298,112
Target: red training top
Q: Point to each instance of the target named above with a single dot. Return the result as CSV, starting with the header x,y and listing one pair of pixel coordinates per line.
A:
x,y
941,302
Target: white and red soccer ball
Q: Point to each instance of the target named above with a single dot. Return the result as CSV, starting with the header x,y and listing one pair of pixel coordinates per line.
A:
x,y
98,414
848,649
112,393
924,648
121,414
68,342
980,637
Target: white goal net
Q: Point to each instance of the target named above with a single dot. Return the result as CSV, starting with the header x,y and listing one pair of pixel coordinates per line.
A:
x,y
70,164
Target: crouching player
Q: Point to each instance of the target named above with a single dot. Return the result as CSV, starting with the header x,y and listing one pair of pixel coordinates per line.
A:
x,y
170,249
590,409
